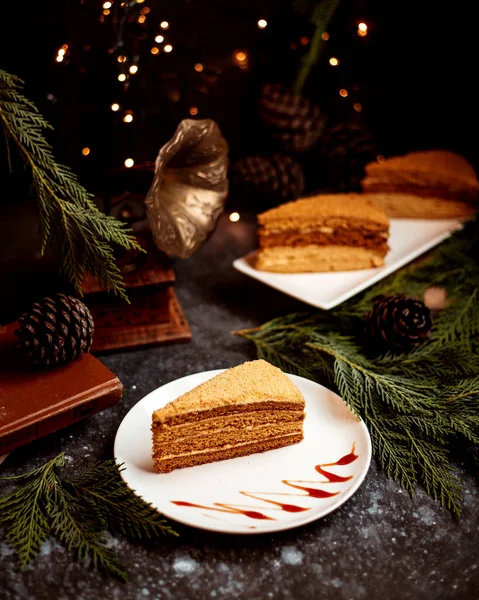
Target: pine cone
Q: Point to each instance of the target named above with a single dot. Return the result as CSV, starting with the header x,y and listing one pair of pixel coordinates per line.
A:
x,y
292,121
398,323
347,149
56,330
271,179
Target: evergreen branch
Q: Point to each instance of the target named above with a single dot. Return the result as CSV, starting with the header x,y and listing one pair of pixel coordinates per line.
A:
x,y
436,472
72,524
103,490
321,15
26,510
392,452
431,362
68,216
58,461
79,512
269,351
458,323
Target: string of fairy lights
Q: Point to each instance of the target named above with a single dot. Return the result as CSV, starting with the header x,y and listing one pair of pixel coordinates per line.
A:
x,y
161,42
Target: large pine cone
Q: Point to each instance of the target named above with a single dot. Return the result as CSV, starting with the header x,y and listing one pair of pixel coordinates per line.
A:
x,y
347,148
291,121
270,179
398,323
56,330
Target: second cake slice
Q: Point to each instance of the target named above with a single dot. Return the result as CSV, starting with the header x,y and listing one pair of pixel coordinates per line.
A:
x,y
328,232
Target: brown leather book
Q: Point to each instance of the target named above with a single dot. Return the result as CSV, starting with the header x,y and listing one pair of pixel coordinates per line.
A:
x,y
35,402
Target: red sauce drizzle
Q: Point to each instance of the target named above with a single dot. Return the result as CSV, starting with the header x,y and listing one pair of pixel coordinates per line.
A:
x,y
227,508
313,492
331,477
291,508
347,459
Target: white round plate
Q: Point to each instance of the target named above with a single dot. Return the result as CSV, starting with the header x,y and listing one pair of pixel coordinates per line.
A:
x,y
275,490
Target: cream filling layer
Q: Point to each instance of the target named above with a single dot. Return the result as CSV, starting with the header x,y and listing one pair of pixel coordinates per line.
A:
x,y
237,420
227,447
222,437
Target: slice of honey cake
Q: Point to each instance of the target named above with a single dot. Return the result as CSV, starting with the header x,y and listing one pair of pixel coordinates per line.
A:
x,y
433,184
328,232
247,409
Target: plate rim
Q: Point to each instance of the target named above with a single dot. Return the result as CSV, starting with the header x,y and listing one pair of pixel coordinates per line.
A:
x,y
241,265
285,526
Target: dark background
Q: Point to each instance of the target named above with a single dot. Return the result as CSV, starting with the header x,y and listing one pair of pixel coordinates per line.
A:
x,y
414,74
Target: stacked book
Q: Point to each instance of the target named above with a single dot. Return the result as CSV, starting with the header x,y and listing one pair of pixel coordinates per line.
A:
x,y
154,315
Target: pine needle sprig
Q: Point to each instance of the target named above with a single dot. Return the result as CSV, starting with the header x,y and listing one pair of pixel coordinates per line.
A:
x,y
113,503
431,362
27,510
80,513
436,473
460,408
459,322
68,216
416,405
391,449
72,524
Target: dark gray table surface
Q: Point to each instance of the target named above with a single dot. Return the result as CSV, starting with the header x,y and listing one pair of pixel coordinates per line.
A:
x,y
379,544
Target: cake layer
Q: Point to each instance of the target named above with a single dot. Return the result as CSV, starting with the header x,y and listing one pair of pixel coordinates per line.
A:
x,y
220,437
318,223
165,465
455,195
236,420
403,206
326,236
326,210
313,258
195,416
256,384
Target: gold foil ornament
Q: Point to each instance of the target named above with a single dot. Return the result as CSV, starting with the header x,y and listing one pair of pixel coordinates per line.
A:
x,y
189,187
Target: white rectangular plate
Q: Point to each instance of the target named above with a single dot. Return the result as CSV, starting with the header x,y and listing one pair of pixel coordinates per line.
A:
x,y
408,239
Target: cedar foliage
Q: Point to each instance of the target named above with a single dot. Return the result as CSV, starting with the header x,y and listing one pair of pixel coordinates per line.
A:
x,y
69,219
79,512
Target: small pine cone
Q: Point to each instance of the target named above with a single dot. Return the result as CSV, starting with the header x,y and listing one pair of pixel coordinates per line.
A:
x,y
398,323
276,178
347,148
55,331
292,121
